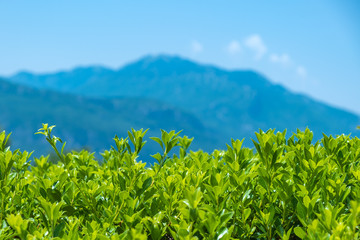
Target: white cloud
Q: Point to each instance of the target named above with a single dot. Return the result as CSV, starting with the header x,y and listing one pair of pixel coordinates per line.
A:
x,y
255,43
283,59
233,47
196,47
301,71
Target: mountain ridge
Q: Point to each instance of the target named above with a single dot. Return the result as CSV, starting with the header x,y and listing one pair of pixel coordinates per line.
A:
x,y
233,103
88,122
20,77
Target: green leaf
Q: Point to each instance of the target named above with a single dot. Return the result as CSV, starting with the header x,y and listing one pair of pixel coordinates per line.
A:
x,y
246,214
59,229
53,194
222,233
158,157
158,140
146,184
68,210
301,212
225,217
306,201
300,232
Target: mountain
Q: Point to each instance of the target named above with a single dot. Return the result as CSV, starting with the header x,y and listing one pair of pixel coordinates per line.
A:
x,y
235,103
90,122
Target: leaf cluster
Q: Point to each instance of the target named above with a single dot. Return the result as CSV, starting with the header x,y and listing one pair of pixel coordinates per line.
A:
x,y
285,188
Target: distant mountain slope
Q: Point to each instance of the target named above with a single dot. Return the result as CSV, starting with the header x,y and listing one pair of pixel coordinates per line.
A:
x,y
237,103
90,122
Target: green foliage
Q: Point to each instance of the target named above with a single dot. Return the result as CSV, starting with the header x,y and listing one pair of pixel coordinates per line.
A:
x,y
289,188
46,131
4,140
167,142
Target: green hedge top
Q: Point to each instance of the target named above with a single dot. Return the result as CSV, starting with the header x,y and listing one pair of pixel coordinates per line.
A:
x,y
285,189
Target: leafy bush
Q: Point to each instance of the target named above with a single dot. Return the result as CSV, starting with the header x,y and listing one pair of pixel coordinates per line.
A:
x,y
286,189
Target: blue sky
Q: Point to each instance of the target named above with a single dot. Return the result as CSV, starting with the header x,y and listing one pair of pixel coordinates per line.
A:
x,y
311,47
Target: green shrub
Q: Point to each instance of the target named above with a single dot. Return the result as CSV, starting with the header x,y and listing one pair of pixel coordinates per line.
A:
x,y
284,188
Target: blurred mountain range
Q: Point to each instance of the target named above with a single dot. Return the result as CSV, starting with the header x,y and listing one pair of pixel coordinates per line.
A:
x,y
90,105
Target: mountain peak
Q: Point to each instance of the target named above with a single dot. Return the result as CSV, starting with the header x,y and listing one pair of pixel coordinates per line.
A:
x,y
235,103
167,64
151,58
23,74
